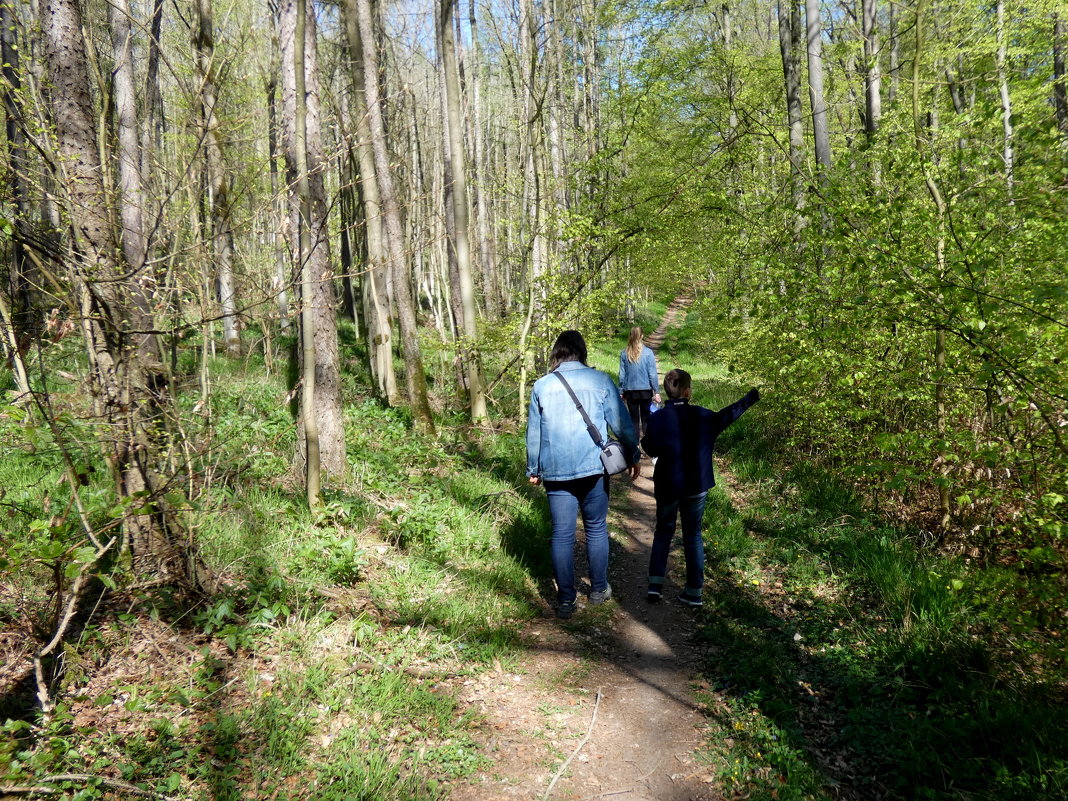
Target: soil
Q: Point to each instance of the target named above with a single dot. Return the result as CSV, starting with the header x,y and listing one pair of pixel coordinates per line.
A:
x,y
602,706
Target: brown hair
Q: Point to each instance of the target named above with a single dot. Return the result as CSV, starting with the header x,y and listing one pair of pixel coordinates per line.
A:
x,y
569,347
634,344
677,384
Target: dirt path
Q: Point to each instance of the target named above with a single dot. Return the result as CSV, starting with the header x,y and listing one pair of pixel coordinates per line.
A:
x,y
601,705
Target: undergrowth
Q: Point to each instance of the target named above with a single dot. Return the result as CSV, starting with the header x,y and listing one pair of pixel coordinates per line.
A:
x,y
843,658
329,664
846,660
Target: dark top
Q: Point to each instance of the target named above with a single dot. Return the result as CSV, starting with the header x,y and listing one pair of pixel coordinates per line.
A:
x,y
682,438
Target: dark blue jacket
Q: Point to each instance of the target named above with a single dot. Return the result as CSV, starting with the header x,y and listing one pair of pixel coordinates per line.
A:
x,y
682,438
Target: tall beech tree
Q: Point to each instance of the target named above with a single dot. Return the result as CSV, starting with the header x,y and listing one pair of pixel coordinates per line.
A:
x,y
460,241
309,228
23,316
821,136
218,189
129,397
414,374
789,41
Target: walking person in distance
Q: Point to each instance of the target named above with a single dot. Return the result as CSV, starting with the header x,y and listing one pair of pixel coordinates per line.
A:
x,y
563,456
681,438
638,379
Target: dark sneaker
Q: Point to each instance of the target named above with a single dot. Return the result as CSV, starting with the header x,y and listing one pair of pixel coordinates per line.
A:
x,y
564,611
691,600
655,593
600,597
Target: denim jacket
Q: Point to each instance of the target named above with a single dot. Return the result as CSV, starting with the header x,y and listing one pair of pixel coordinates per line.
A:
x,y
559,447
640,374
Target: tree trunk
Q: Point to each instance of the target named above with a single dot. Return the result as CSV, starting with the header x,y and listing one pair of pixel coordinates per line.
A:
x,y
483,198
415,377
307,292
281,280
318,296
376,298
789,40
152,134
131,193
469,345
895,54
127,396
24,316
222,235
1007,151
346,206
1060,90
448,187
873,104
820,134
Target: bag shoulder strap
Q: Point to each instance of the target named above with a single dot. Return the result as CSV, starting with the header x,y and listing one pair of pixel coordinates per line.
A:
x,y
590,427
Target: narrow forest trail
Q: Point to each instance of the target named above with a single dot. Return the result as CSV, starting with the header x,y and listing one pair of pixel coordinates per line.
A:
x,y
608,694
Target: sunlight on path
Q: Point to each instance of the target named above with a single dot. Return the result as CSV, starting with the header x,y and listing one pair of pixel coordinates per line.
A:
x,y
637,657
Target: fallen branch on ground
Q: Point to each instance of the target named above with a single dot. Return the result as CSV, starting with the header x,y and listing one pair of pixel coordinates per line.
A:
x,y
578,748
80,778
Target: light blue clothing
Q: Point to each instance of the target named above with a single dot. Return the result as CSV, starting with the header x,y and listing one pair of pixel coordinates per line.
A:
x,y
559,447
640,374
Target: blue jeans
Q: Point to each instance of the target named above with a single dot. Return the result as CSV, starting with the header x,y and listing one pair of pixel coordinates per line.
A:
x,y
692,510
566,498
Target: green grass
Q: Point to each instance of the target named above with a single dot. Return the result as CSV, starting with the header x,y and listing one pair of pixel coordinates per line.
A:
x,y
845,657
848,656
841,656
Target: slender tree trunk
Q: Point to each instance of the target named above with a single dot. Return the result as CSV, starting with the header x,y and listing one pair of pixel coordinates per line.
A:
x,y
281,280
307,291
873,104
222,236
376,298
789,39
820,133
310,219
895,54
1007,149
131,194
126,393
470,344
24,317
13,353
448,194
481,172
347,225
1060,89
152,133
415,376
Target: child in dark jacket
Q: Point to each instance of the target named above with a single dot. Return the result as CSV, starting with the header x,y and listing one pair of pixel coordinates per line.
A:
x,y
681,439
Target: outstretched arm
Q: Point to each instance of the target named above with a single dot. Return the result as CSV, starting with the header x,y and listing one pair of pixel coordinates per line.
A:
x,y
728,414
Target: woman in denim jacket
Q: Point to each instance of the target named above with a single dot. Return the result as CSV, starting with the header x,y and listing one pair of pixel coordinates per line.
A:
x,y
637,380
562,455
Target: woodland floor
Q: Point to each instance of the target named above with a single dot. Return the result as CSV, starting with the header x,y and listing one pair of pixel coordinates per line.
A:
x,y
604,700
613,696
609,696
